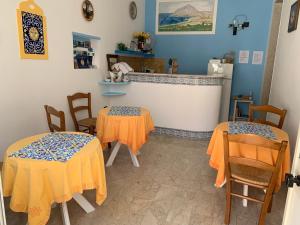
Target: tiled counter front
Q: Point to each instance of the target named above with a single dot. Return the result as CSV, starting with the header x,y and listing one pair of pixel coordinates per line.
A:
x,y
215,80
181,105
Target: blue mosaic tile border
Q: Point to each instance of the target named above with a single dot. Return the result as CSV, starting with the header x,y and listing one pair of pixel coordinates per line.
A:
x,y
183,133
177,79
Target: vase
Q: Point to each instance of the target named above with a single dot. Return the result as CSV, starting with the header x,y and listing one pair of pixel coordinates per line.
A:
x,y
141,45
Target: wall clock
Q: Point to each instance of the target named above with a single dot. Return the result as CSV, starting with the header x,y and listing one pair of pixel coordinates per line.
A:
x,y
88,10
133,10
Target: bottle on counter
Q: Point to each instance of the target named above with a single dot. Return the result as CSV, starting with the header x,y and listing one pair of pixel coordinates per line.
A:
x,y
250,95
170,71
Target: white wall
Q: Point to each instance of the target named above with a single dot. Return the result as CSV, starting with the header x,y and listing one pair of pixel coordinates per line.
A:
x,y
26,85
285,91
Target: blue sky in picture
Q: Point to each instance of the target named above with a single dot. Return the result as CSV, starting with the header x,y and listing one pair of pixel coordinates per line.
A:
x,y
194,51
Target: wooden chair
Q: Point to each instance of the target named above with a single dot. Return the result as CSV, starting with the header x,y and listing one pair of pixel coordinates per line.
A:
x,y
50,111
251,172
267,109
86,124
111,60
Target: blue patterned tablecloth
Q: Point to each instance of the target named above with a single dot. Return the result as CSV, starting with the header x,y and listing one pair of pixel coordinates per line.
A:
x,y
251,128
54,147
124,111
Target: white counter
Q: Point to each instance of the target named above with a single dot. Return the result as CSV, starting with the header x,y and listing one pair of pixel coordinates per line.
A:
x,y
185,105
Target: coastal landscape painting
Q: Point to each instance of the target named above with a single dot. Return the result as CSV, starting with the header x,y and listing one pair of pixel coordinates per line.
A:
x,y
186,16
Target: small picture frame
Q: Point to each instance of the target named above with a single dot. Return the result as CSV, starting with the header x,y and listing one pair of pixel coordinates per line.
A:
x,y
294,15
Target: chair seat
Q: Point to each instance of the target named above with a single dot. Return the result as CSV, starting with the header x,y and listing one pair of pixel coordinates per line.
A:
x,y
87,122
250,174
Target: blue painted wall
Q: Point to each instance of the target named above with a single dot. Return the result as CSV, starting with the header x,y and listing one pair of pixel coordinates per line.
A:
x,y
194,51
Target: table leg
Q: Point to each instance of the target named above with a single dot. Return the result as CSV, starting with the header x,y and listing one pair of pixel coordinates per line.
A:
x,y
84,204
134,159
65,214
113,154
245,193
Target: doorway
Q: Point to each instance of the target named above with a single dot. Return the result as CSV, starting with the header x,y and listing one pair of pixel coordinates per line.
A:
x,y
270,56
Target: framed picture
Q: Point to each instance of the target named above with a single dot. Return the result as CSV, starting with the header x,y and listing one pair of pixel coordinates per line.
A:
x,y
186,16
294,15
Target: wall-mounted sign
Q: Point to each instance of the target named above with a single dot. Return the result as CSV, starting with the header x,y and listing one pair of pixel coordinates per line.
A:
x,y
186,17
258,57
32,31
244,56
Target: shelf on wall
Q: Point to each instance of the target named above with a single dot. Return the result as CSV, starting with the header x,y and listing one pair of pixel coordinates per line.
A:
x,y
135,53
85,51
113,83
113,93
85,36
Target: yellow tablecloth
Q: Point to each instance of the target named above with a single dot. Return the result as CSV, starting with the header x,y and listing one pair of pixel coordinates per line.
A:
x,y
35,184
216,151
129,130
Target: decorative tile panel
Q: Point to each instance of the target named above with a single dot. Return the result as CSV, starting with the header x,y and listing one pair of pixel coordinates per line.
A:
x,y
54,147
251,128
33,32
124,111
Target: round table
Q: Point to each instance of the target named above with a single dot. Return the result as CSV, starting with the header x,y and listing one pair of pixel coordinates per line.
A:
x,y
129,130
216,152
34,184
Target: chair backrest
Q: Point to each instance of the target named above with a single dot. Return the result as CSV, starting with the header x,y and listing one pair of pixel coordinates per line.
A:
x,y
75,109
267,109
111,60
258,141
50,111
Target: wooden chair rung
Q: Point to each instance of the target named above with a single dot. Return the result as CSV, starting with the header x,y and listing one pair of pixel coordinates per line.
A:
x,y
249,184
246,197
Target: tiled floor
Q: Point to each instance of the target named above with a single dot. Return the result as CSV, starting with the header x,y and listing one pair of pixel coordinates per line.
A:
x,y
173,186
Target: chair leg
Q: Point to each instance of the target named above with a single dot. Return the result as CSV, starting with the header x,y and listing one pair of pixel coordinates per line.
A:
x,y
91,130
270,205
228,203
265,208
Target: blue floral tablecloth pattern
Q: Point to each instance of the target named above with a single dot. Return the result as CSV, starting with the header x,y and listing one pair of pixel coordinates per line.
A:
x,y
251,128
54,147
124,111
